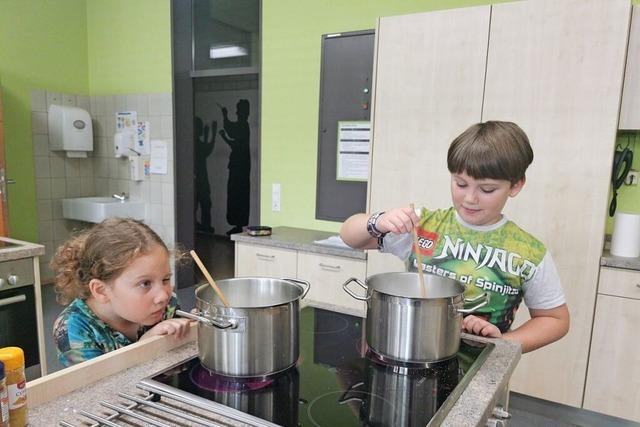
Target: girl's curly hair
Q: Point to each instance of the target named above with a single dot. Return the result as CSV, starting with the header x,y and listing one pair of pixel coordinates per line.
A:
x,y
100,252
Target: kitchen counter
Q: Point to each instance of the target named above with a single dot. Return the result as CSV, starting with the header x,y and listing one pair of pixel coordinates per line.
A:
x,y
608,260
116,372
23,250
300,239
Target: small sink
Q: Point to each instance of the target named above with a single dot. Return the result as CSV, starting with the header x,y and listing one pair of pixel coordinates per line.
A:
x,y
96,209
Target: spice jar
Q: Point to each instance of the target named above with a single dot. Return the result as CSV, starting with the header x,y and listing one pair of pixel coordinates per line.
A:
x,y
4,399
13,359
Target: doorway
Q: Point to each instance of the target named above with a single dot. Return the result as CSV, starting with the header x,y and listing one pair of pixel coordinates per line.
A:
x,y
216,57
227,179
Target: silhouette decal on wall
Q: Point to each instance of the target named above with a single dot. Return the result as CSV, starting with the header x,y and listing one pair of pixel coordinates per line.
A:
x,y
236,135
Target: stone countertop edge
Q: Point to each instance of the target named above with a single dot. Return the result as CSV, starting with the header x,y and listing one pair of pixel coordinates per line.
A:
x,y
88,398
477,401
300,239
608,260
25,250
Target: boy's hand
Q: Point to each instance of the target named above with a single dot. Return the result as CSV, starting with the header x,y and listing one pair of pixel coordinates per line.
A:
x,y
177,327
398,220
478,326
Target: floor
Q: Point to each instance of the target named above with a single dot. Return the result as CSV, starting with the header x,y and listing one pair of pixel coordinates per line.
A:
x,y
217,255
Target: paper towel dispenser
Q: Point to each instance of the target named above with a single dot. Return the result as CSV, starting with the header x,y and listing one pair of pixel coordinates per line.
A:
x,y
70,130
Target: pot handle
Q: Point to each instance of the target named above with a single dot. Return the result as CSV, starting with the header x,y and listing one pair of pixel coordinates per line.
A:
x,y
211,322
353,294
484,296
305,285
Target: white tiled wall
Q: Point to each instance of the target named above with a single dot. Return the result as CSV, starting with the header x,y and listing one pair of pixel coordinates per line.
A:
x,y
100,174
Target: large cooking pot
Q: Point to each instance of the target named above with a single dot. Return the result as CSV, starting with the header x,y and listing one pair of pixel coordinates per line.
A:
x,y
258,334
409,323
402,397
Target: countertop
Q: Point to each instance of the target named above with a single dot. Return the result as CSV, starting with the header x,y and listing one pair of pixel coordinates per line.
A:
x,y
472,407
24,250
302,240
608,260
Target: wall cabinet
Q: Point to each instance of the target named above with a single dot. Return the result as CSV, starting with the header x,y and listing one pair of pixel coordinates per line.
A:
x,y
325,273
555,69
613,378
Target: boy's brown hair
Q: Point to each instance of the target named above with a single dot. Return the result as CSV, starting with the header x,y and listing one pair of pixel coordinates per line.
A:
x,y
494,150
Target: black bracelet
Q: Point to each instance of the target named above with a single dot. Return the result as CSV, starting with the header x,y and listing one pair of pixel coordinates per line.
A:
x,y
371,225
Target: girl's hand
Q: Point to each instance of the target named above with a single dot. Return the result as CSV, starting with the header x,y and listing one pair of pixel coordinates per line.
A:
x,y
177,327
398,220
478,326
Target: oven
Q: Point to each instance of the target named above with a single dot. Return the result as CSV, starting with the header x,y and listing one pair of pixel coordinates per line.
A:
x,y
18,321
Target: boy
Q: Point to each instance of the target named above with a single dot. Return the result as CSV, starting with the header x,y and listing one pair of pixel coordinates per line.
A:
x,y
474,243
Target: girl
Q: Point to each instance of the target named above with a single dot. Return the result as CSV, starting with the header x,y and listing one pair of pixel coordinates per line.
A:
x,y
117,279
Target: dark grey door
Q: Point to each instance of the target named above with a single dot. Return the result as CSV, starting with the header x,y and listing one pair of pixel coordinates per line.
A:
x,y
345,95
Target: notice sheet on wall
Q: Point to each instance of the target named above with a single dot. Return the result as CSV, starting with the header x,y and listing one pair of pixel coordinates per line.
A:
x,y
159,157
354,148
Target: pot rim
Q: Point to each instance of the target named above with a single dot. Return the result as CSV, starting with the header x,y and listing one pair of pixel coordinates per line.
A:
x,y
247,307
427,276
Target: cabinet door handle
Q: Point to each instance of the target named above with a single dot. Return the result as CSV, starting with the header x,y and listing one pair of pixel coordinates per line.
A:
x,y
266,257
329,267
637,285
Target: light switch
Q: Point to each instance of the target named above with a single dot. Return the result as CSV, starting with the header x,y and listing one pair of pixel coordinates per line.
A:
x,y
275,197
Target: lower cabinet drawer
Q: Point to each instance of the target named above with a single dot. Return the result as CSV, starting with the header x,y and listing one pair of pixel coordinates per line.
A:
x,y
619,282
264,261
326,274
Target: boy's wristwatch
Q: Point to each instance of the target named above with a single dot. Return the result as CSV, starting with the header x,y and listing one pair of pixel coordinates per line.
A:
x,y
371,226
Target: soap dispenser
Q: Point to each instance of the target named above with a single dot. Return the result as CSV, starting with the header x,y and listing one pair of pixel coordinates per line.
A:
x,y
70,130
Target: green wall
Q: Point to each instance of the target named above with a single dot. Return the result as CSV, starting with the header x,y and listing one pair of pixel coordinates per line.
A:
x,y
129,45
43,44
89,47
628,199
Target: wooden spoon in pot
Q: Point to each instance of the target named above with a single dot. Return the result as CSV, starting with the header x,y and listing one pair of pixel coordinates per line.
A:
x,y
209,278
414,233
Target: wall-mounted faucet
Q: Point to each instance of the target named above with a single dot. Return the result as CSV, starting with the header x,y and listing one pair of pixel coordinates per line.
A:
x,y
122,196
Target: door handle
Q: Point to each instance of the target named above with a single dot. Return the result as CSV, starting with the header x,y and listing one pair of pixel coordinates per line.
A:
x,y
12,300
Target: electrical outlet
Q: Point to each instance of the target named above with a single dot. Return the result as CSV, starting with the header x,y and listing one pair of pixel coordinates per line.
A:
x,y
631,178
275,197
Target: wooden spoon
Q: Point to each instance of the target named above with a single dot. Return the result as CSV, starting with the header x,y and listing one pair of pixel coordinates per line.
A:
x,y
209,278
414,233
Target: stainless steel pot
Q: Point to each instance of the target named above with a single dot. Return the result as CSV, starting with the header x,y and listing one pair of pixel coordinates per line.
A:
x,y
407,322
258,335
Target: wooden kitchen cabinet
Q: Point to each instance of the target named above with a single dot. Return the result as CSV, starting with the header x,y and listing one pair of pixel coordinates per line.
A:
x,y
630,108
290,252
327,274
613,378
264,261
554,68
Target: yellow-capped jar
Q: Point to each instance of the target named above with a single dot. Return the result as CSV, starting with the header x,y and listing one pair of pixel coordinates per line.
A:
x,y
13,359
4,399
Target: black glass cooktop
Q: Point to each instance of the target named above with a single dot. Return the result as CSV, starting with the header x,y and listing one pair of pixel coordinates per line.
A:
x,y
336,382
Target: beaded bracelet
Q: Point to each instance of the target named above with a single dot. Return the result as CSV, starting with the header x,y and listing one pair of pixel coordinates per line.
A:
x,y
371,225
